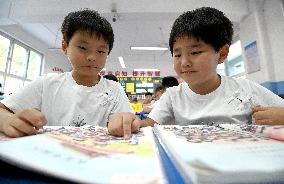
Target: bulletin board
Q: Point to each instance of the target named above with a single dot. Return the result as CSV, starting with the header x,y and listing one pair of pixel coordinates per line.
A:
x,y
139,85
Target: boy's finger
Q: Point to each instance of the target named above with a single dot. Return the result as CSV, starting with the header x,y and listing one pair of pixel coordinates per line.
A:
x,y
264,122
34,117
259,108
24,127
126,125
135,127
13,132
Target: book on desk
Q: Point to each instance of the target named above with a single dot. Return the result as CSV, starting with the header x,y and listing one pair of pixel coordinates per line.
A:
x,y
86,155
197,154
224,153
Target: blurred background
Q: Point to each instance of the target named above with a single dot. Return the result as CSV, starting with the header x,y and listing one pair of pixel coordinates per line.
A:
x,y
30,40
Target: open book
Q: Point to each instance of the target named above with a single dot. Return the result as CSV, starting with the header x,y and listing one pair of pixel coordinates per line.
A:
x,y
86,155
223,153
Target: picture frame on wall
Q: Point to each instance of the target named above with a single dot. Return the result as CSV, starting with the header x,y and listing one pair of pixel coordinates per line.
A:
x,y
252,57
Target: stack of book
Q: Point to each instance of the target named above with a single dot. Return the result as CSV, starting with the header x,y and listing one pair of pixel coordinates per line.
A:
x,y
195,154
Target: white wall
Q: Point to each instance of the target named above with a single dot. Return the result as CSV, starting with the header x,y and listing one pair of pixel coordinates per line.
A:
x,y
274,17
265,25
56,59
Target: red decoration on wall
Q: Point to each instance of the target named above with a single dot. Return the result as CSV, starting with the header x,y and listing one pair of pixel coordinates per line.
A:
x,y
157,73
134,73
124,73
117,73
142,73
149,73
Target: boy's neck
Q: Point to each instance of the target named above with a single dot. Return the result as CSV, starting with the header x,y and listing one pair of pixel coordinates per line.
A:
x,y
208,87
86,80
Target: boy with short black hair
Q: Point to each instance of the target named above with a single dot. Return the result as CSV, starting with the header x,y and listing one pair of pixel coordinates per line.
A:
x,y
74,98
169,81
111,77
199,41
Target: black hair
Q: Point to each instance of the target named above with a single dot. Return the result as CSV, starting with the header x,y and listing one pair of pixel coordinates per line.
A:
x,y
169,81
159,88
148,93
111,77
89,21
207,24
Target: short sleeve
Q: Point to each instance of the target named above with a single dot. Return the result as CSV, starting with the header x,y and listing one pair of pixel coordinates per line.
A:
x,y
264,97
162,111
27,97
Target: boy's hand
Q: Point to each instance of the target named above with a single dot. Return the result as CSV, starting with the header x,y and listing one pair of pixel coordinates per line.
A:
x,y
269,115
25,122
123,124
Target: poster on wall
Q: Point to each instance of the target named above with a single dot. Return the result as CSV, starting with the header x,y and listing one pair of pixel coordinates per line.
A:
x,y
139,85
251,54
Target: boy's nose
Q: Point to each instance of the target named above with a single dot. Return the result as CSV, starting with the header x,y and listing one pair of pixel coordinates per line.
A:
x,y
91,57
185,61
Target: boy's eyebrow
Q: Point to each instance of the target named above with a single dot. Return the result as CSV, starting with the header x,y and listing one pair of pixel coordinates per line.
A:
x,y
195,45
198,45
83,41
100,46
103,47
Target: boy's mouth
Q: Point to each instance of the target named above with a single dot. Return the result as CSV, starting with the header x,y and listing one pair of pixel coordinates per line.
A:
x,y
188,72
91,66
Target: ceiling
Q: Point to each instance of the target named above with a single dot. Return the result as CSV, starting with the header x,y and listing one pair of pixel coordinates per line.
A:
x,y
139,23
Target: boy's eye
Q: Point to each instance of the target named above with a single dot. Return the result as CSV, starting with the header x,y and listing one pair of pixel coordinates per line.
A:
x,y
101,52
195,53
177,55
82,47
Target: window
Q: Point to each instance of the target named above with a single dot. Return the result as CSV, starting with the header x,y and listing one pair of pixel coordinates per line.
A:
x,y
19,64
18,61
4,51
234,66
221,69
34,66
1,82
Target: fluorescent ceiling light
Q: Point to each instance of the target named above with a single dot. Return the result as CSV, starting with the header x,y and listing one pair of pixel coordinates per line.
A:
x,y
121,61
146,70
148,48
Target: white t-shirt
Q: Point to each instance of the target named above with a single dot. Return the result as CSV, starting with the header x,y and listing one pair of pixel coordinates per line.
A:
x,y
64,102
231,102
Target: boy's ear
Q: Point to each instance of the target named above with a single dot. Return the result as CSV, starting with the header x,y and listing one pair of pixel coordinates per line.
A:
x,y
64,46
224,51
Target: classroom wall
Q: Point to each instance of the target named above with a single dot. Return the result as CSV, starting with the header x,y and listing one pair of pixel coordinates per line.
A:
x,y
265,25
56,59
